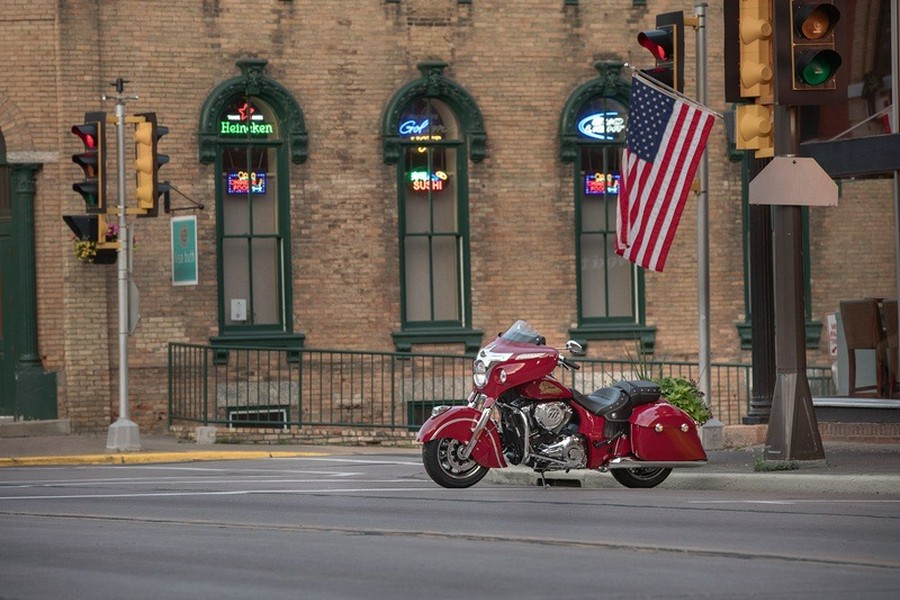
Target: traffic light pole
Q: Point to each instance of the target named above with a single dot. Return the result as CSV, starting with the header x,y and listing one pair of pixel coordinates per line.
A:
x,y
793,432
124,433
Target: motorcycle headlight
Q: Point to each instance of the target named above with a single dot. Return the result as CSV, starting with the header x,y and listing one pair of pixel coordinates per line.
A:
x,y
480,374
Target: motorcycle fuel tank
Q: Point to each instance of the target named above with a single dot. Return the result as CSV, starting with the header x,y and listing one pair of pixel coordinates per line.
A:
x,y
663,432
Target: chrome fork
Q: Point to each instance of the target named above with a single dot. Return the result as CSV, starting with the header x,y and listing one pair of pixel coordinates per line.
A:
x,y
476,432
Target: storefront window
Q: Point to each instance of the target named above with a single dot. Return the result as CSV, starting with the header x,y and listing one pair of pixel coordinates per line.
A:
x,y
433,240
251,241
592,137
606,280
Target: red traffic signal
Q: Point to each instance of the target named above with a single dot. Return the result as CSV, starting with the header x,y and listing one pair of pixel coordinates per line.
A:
x,y
92,161
658,42
666,44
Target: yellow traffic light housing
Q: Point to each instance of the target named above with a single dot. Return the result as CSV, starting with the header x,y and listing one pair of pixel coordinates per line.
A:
x,y
755,43
147,162
754,129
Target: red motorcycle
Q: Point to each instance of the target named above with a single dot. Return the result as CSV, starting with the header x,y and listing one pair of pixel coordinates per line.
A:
x,y
519,414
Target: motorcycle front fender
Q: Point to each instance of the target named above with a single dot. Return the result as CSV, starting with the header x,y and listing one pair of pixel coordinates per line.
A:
x,y
457,423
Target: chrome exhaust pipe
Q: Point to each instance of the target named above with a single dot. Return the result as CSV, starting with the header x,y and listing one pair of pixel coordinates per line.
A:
x,y
631,463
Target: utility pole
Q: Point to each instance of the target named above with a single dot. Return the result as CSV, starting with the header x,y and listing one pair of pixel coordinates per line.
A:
x,y
124,433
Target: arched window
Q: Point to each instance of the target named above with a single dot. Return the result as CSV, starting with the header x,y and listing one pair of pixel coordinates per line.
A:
x,y
610,288
250,126
431,129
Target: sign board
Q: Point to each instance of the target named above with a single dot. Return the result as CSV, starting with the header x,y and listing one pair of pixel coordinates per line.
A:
x,y
184,250
794,181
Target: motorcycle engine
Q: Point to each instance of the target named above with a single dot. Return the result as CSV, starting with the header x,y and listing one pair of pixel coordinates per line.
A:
x,y
552,416
551,431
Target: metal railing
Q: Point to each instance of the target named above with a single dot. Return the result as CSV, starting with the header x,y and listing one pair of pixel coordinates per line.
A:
x,y
279,388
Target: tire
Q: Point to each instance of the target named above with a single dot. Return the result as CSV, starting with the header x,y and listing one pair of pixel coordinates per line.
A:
x,y
443,465
640,478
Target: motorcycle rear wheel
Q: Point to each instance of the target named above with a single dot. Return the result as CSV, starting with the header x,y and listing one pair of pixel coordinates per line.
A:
x,y
640,477
445,467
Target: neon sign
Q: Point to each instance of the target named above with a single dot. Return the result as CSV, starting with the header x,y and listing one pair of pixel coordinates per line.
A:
x,y
600,183
421,131
604,126
420,181
241,182
246,121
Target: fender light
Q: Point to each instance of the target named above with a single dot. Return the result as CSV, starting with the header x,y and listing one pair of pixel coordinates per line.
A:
x,y
437,410
479,374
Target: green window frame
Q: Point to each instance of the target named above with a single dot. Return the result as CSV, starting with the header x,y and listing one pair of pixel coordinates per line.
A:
x,y
251,130
432,128
610,289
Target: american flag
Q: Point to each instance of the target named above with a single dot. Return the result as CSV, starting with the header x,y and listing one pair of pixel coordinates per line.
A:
x,y
663,145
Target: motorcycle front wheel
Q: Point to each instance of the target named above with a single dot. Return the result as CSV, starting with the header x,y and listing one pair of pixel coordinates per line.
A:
x,y
444,465
640,478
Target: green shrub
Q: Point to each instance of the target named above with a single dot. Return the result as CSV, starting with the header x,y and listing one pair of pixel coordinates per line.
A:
x,y
684,394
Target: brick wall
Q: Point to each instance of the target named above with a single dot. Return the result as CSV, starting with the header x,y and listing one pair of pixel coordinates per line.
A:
x,y
520,61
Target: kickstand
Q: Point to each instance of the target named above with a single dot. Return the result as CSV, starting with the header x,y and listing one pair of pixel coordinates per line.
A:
x,y
543,481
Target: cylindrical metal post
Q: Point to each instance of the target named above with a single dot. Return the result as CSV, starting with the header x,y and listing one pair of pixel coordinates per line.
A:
x,y
703,218
123,434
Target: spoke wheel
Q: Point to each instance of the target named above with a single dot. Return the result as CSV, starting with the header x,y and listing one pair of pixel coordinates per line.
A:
x,y
445,466
640,478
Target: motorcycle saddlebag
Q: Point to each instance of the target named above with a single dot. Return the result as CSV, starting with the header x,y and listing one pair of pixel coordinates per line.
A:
x,y
663,432
640,392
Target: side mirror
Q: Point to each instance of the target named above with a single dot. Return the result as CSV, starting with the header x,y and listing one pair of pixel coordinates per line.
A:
x,y
574,348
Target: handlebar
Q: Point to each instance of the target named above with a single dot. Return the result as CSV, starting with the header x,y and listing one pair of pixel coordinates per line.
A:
x,y
569,365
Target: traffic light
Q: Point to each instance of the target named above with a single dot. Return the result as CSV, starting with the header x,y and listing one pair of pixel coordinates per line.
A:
x,y
666,44
809,38
147,162
749,71
754,129
92,161
92,228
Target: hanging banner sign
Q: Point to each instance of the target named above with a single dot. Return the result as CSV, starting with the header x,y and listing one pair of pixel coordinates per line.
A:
x,y
184,250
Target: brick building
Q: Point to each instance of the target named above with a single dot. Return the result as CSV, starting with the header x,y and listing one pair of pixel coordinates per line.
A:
x,y
333,216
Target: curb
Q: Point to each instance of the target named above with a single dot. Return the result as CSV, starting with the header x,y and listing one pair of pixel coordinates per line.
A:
x,y
148,457
782,482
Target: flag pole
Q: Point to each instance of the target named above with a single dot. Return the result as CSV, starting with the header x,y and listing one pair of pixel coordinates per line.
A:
x,y
712,430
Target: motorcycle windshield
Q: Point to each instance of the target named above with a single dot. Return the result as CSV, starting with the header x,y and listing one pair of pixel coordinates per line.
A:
x,y
522,332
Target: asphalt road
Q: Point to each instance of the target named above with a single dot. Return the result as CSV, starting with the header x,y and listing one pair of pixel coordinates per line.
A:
x,y
376,527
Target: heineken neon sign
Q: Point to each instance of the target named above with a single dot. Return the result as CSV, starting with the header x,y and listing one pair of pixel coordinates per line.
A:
x,y
246,122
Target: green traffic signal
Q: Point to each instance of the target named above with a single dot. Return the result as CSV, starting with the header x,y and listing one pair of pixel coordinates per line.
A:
x,y
88,191
815,67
